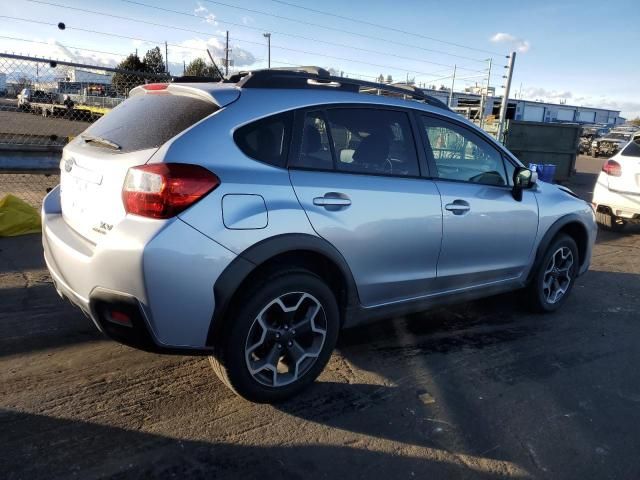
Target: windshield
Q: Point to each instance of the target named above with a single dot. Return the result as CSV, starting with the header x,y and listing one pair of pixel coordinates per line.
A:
x,y
619,136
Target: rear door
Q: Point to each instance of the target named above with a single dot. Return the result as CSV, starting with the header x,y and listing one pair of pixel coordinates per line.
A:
x,y
94,165
356,174
487,236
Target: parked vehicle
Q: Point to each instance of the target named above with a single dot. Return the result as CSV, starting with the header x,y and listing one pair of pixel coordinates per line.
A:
x,y
616,196
610,144
251,220
28,97
586,139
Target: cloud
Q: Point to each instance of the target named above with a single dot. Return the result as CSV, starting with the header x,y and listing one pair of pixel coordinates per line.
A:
x,y
521,45
628,108
547,95
247,20
202,11
188,50
80,56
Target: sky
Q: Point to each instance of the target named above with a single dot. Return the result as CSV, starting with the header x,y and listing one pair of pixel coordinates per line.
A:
x,y
580,52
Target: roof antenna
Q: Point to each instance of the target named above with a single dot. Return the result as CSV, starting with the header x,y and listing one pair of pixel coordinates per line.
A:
x,y
214,64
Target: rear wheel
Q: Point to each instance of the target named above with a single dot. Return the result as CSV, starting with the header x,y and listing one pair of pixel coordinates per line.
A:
x,y
280,338
555,275
608,221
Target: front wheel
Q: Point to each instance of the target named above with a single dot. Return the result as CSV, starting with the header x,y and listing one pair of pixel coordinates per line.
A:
x,y
280,338
555,275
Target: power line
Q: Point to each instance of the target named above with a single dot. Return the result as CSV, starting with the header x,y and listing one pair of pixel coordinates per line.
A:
x,y
302,37
138,39
352,60
303,22
121,17
64,46
386,27
125,54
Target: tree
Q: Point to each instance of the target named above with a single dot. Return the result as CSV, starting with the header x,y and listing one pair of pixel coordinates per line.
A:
x,y
154,61
635,121
380,79
124,82
199,68
389,79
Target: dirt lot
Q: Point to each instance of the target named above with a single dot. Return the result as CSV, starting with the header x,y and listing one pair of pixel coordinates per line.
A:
x,y
18,127
482,390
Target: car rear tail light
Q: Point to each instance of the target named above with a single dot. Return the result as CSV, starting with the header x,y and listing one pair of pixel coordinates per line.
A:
x,y
612,168
163,190
153,87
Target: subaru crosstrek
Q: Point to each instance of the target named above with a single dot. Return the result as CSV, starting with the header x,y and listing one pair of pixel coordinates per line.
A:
x,y
250,220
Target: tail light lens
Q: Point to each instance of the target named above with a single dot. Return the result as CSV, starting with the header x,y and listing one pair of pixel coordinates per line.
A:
x,y
154,87
612,168
163,190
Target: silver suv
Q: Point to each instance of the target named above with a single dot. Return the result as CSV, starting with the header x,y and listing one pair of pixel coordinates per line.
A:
x,y
250,220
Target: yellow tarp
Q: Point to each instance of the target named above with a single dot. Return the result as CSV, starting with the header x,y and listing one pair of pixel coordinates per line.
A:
x,y
17,217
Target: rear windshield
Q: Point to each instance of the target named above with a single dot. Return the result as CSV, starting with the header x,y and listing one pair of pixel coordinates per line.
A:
x,y
633,149
148,121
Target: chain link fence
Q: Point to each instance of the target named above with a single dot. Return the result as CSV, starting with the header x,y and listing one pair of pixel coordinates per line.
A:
x,y
44,103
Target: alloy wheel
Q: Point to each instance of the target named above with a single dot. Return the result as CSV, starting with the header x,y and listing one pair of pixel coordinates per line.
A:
x,y
285,339
557,275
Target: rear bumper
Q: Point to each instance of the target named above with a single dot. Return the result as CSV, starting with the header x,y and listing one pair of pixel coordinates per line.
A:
x,y
166,269
622,204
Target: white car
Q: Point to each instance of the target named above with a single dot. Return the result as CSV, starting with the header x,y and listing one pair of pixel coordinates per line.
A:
x,y
616,197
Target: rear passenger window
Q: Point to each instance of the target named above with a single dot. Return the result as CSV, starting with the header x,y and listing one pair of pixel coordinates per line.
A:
x,y
266,140
367,140
315,151
358,140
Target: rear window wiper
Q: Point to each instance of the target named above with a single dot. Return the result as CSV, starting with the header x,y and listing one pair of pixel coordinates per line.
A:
x,y
100,141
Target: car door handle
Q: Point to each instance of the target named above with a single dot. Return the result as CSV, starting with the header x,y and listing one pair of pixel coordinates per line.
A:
x,y
332,201
458,207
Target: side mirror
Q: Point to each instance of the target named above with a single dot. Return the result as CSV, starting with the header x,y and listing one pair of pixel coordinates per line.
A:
x,y
523,178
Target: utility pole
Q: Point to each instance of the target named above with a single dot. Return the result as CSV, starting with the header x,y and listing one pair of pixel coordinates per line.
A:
x,y
166,57
268,37
453,82
505,97
226,56
485,95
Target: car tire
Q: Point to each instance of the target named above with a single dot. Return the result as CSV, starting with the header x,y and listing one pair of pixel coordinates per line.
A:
x,y
608,221
554,276
275,365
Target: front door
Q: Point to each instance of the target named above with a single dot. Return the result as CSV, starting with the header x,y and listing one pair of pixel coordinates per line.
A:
x,y
487,235
357,177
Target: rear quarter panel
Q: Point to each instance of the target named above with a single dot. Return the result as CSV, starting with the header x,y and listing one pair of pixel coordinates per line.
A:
x,y
210,144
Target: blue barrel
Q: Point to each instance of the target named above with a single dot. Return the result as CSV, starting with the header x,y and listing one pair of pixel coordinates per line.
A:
x,y
549,172
546,172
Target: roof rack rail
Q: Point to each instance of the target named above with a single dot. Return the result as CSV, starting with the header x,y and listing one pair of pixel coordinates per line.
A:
x,y
316,77
193,79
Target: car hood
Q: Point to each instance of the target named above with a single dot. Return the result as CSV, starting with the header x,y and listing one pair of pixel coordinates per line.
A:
x,y
613,140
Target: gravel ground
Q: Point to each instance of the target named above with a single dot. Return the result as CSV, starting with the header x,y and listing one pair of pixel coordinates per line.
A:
x,y
480,390
25,128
